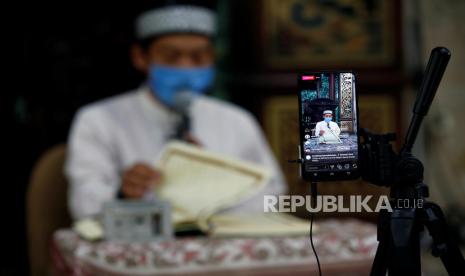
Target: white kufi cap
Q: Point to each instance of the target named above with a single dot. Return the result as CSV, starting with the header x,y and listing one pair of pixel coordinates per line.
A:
x,y
175,19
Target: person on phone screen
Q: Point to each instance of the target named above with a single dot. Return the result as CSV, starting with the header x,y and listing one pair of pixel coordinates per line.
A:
x,y
327,130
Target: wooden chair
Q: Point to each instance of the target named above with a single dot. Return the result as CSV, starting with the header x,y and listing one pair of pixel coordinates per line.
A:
x,y
47,208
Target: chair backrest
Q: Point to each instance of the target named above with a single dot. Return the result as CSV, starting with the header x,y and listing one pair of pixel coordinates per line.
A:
x,y
47,208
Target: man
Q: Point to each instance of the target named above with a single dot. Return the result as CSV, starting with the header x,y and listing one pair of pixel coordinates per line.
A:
x,y
113,142
327,129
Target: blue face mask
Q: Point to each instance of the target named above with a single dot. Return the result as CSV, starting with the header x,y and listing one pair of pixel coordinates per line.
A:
x,y
328,120
166,81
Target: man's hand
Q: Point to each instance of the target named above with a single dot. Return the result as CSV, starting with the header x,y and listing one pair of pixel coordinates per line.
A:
x,y
191,139
138,179
322,132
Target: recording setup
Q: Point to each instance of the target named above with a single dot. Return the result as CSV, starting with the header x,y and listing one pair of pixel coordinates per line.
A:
x,y
332,147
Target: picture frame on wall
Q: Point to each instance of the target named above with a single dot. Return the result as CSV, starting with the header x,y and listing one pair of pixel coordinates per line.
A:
x,y
311,33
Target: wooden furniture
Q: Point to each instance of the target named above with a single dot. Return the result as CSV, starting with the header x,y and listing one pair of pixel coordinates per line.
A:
x,y
46,207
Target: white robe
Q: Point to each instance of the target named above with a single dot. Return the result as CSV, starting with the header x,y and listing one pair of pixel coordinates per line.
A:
x,y
111,135
324,126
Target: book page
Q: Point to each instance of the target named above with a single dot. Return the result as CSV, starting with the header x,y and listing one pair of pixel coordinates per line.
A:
x,y
198,183
257,225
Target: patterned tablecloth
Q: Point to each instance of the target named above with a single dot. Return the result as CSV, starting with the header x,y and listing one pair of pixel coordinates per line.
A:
x,y
344,246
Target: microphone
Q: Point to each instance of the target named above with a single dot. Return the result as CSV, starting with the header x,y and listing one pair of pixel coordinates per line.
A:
x,y
182,101
181,104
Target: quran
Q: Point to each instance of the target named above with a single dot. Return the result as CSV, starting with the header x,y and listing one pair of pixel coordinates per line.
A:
x,y
200,184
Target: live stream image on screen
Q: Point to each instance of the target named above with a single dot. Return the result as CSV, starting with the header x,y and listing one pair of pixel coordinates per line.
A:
x,y
329,122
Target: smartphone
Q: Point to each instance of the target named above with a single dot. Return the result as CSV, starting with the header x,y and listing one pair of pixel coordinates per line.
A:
x,y
328,118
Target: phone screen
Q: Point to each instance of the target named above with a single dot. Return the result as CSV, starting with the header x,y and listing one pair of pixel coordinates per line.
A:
x,y
328,126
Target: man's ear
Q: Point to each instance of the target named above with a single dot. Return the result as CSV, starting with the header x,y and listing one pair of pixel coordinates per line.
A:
x,y
139,59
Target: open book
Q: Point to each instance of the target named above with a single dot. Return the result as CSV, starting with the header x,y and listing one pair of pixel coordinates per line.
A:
x,y
200,184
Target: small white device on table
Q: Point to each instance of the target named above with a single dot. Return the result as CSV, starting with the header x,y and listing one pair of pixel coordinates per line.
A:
x,y
137,220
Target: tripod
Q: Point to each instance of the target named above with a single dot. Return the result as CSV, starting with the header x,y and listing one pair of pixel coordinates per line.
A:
x,y
398,251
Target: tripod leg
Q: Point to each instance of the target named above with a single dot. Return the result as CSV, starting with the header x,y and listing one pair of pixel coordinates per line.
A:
x,y
380,263
404,251
443,246
399,244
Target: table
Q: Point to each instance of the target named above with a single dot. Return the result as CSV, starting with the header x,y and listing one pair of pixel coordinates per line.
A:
x,y
345,247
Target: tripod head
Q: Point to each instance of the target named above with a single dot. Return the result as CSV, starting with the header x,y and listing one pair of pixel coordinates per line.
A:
x,y
398,251
380,164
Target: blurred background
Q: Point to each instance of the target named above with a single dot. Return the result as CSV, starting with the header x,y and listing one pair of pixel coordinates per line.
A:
x,y
76,53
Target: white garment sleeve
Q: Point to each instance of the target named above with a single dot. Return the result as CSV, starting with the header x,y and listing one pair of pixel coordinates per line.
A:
x,y
258,151
337,130
90,166
317,129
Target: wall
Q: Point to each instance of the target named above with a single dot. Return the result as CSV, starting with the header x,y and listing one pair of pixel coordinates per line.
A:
x,y
444,132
